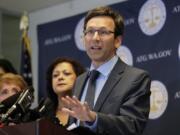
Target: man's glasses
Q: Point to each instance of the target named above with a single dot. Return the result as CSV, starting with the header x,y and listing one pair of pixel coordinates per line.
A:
x,y
101,32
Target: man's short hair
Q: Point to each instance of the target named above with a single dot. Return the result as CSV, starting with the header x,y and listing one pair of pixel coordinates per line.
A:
x,y
109,12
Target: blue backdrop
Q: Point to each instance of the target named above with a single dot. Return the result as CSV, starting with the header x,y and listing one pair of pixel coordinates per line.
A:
x,y
151,42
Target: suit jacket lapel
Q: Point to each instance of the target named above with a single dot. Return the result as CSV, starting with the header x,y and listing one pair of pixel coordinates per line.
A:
x,y
114,77
79,85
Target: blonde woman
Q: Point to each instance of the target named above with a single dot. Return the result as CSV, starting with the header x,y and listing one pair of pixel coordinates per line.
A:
x,y
11,84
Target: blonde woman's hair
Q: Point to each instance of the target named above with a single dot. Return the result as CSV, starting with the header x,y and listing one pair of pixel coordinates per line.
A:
x,y
11,78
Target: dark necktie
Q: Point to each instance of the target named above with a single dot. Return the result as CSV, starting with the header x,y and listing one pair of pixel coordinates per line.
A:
x,y
91,88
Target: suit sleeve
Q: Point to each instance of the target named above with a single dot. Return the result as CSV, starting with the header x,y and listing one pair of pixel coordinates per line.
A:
x,y
133,110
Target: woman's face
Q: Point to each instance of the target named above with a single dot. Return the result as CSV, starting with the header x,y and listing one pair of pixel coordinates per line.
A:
x,y
7,90
63,78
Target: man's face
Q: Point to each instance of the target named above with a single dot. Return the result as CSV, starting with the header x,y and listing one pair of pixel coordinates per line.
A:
x,y
99,39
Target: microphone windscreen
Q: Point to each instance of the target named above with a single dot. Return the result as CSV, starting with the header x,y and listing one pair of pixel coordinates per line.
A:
x,y
7,103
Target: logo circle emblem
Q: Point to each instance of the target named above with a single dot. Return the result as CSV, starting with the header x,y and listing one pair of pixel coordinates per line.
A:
x,y
125,54
152,17
159,99
78,35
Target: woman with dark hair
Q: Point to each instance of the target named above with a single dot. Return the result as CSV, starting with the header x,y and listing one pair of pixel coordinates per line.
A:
x,y
6,67
61,76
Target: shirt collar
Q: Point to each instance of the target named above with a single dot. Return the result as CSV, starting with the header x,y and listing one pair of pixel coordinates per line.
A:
x,y
106,68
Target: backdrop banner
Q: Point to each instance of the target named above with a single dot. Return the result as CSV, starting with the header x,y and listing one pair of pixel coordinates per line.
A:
x,y
151,42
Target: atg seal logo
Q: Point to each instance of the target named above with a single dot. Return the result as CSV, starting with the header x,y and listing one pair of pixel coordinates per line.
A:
x,y
125,54
78,35
152,17
159,99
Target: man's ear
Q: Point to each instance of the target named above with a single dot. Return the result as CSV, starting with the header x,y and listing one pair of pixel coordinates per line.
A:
x,y
118,41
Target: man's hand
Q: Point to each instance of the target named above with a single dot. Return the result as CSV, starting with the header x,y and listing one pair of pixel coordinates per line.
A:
x,y
78,110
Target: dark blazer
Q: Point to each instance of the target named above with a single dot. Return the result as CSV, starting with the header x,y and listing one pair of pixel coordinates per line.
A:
x,y
124,103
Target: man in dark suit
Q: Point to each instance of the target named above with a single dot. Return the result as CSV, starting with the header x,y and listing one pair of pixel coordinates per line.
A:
x,y
122,93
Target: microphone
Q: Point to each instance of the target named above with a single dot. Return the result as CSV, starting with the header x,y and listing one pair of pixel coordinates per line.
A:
x,y
23,103
44,106
8,102
44,109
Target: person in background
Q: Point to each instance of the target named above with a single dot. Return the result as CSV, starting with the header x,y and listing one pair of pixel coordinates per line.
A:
x,y
6,67
121,103
11,84
61,76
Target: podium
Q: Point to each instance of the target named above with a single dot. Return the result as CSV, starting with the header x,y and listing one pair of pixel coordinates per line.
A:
x,y
42,127
39,127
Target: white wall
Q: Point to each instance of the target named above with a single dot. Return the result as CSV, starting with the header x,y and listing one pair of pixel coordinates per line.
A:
x,y
54,13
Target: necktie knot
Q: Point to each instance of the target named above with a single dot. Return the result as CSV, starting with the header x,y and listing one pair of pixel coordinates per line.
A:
x,y
94,75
